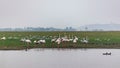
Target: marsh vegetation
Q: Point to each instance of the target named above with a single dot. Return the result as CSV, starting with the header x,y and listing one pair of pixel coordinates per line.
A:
x,y
22,40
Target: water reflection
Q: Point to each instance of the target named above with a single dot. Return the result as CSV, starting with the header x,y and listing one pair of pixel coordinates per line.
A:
x,y
60,58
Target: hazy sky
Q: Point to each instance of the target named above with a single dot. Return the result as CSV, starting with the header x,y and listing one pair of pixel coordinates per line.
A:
x,y
58,13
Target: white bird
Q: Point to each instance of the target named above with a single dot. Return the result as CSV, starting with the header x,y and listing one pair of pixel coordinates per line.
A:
x,y
23,40
74,41
34,41
53,40
76,38
41,41
70,39
3,38
28,41
58,41
84,40
64,39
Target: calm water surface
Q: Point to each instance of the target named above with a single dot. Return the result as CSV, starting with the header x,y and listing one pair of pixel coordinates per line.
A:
x,y
60,58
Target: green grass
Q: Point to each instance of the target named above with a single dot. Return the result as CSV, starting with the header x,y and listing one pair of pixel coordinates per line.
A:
x,y
13,39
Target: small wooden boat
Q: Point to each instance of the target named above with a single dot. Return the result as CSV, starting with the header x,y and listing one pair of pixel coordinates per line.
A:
x,y
107,53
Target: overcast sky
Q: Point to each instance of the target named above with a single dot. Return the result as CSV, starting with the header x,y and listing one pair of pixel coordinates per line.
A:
x,y
58,13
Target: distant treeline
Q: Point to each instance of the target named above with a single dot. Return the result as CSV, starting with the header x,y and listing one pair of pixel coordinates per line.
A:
x,y
38,29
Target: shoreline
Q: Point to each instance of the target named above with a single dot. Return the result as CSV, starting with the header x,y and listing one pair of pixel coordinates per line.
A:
x,y
56,47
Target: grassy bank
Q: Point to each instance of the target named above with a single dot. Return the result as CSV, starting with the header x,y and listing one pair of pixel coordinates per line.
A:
x,y
104,39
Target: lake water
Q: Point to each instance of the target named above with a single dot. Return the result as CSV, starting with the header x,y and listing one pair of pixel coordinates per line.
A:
x,y
60,58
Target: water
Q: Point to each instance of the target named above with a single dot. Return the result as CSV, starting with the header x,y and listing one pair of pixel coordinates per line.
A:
x,y
60,58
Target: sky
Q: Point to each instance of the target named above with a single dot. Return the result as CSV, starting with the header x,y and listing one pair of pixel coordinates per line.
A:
x,y
58,13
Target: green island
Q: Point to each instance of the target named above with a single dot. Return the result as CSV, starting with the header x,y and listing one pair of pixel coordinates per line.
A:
x,y
95,39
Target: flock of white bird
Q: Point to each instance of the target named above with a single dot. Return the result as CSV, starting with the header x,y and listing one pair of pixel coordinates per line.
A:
x,y
57,40
54,39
